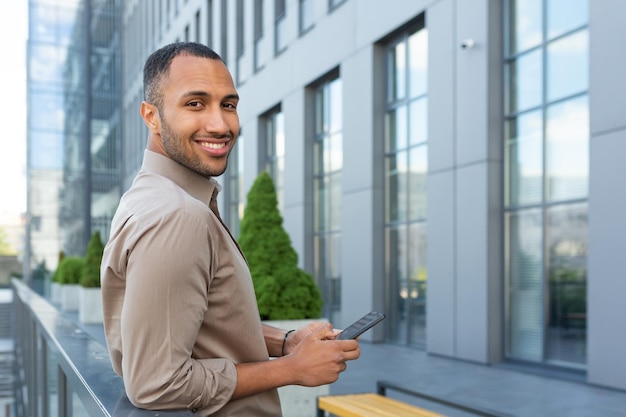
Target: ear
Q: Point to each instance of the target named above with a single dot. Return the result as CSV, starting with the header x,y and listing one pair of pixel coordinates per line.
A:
x,y
150,116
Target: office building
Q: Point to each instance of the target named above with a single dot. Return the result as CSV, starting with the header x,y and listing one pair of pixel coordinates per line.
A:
x,y
73,125
455,164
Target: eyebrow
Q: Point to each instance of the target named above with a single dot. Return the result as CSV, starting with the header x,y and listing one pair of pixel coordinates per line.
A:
x,y
232,96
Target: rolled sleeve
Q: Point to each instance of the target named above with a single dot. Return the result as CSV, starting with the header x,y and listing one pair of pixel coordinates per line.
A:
x,y
165,304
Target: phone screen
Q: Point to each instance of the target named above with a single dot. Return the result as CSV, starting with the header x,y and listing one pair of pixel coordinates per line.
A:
x,y
361,325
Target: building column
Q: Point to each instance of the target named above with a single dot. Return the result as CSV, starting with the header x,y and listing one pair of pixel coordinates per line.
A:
x,y
606,285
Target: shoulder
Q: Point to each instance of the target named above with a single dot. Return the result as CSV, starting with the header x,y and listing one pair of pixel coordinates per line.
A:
x,y
156,202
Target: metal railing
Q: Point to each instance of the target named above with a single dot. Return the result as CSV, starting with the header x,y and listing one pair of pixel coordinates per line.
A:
x,y
383,386
62,371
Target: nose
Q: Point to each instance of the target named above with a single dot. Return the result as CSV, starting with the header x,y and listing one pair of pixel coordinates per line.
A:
x,y
216,121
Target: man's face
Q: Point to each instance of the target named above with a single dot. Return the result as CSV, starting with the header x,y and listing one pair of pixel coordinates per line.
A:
x,y
199,121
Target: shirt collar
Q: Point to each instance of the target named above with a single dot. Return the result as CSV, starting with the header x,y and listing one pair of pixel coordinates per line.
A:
x,y
199,187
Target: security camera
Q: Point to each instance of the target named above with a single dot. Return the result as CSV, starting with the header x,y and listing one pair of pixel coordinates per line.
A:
x,y
467,44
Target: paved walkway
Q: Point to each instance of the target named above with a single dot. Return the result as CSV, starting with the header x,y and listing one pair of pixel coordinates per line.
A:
x,y
496,388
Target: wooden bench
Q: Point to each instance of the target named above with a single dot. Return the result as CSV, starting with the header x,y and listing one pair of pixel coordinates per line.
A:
x,y
368,405
379,405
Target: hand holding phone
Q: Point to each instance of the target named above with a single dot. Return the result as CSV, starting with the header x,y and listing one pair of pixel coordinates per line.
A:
x,y
361,325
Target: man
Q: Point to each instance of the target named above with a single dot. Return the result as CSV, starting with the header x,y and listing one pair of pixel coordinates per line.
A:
x,y
180,314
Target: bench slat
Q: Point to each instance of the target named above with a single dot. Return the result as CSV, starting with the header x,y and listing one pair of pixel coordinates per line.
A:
x,y
370,405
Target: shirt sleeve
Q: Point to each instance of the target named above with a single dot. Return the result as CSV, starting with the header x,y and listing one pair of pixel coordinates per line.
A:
x,y
168,278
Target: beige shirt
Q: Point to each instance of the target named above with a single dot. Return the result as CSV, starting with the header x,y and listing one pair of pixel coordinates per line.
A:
x,y
179,305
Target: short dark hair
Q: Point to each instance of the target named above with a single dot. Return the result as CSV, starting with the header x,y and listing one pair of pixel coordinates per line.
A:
x,y
158,65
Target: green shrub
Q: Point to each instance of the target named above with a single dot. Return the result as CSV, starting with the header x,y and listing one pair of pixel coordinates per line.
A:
x,y
55,275
70,270
90,277
283,290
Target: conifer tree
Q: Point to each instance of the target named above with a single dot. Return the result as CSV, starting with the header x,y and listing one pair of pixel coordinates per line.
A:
x,y
90,276
283,290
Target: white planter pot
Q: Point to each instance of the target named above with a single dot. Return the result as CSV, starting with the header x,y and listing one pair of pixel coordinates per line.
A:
x,y
297,401
69,297
90,305
55,292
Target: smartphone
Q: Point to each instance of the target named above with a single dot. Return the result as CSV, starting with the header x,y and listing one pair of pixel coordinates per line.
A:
x,y
361,325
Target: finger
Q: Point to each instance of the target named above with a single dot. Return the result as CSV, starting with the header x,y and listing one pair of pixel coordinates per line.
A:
x,y
323,331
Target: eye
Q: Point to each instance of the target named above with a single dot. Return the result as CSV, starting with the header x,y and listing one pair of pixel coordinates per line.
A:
x,y
194,103
230,106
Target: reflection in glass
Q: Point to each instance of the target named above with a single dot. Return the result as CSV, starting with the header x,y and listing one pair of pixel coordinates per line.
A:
x,y
306,15
565,15
46,150
567,274
524,153
417,182
335,106
399,285
321,203
418,267
524,83
50,115
525,18
525,277
397,187
275,151
334,152
328,163
45,68
334,183
281,34
567,150
568,66
418,61
396,129
418,122
396,86
406,170
547,162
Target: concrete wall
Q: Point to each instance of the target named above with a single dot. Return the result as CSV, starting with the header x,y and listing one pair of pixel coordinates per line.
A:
x,y
606,308
464,192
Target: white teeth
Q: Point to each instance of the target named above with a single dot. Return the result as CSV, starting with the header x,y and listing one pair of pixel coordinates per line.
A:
x,y
212,145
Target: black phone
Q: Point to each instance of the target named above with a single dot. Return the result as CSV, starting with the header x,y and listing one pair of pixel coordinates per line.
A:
x,y
361,325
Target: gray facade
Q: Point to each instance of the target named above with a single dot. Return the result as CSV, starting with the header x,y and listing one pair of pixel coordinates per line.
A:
x,y
278,64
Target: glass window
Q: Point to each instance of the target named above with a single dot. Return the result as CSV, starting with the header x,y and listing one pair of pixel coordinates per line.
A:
x,y
566,15
396,64
258,33
328,165
280,12
233,193
306,15
524,77
274,145
525,24
418,63
567,149
525,270
406,170
546,163
524,159
210,24
567,278
568,66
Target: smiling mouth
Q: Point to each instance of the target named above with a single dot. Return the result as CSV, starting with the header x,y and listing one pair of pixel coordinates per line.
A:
x,y
211,145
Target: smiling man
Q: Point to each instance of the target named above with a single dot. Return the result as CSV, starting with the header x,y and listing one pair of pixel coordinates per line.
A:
x,y
180,313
